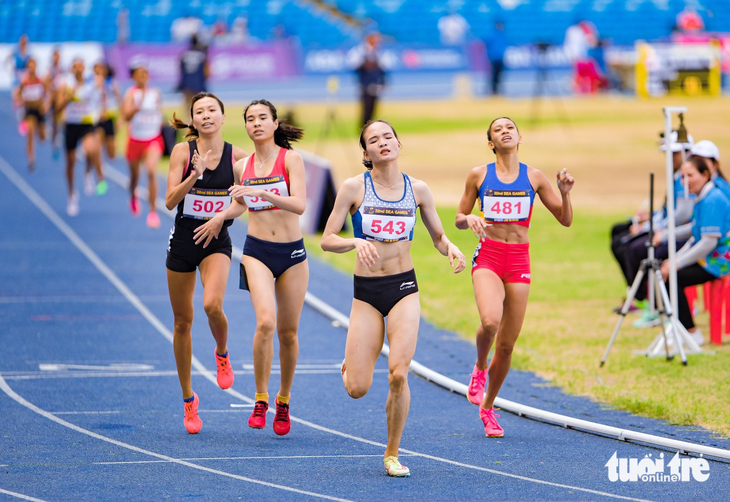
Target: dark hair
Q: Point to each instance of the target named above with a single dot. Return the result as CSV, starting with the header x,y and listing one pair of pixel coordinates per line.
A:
x,y
285,133
366,162
489,129
192,131
702,164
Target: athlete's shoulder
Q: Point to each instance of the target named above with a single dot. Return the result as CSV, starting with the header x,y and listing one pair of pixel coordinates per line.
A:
x,y
180,148
356,181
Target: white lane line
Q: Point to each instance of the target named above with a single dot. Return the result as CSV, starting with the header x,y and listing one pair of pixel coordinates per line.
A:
x,y
75,299
20,495
43,206
157,324
117,412
16,397
84,412
165,373
273,457
109,367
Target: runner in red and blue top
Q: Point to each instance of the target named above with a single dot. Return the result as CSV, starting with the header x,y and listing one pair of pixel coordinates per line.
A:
x,y
501,264
274,265
142,109
35,96
198,186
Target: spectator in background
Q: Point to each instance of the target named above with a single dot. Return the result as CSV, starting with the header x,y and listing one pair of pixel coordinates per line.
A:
x,y
496,47
372,81
453,29
239,31
123,26
194,70
690,21
183,28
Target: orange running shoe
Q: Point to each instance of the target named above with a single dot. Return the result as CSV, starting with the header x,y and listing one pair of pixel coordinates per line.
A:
x,y
282,424
225,372
192,421
257,420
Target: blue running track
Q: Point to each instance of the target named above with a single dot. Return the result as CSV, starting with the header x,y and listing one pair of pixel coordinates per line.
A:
x,y
90,405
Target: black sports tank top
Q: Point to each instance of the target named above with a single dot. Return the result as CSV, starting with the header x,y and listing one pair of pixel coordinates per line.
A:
x,y
209,195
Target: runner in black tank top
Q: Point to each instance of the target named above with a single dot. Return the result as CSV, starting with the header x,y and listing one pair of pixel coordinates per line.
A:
x,y
198,185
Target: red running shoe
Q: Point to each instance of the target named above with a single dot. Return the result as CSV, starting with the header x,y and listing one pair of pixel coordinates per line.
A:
x,y
282,424
192,421
257,420
135,206
225,372
477,382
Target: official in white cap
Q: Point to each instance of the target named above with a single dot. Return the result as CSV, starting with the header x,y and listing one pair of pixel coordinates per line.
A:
x,y
709,151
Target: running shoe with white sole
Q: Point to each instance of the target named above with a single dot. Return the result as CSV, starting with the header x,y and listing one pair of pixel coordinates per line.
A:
x,y
257,420
225,371
394,468
192,421
72,208
477,382
491,427
89,186
282,424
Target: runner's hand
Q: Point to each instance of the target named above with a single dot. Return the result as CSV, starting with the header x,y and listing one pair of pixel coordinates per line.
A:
x,y
456,258
565,181
200,164
366,252
241,190
208,231
477,225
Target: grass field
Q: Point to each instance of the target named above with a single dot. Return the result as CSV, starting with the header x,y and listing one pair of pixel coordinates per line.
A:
x,y
610,145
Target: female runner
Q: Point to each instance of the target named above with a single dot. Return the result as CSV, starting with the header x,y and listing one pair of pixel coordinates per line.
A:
x,y
501,263
274,265
142,109
198,185
82,101
112,97
385,281
35,96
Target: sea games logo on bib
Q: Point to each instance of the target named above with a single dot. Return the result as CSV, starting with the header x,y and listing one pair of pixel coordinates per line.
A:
x,y
652,470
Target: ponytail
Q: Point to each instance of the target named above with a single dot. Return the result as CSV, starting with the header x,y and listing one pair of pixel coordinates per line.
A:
x,y
285,134
179,124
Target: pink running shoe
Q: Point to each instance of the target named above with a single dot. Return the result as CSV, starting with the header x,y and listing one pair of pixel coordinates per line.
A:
x,y
257,420
23,128
475,392
192,421
282,424
491,427
225,372
153,221
135,206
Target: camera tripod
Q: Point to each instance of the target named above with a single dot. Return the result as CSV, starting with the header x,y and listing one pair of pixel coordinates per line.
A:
x,y
674,337
542,82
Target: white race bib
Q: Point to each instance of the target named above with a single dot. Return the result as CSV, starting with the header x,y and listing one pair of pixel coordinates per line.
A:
x,y
204,203
387,224
506,205
273,184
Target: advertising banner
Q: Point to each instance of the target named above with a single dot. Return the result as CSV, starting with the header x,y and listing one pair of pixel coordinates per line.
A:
x,y
227,64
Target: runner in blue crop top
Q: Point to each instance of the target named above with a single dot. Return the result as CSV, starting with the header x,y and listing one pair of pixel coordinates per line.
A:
x,y
501,265
382,204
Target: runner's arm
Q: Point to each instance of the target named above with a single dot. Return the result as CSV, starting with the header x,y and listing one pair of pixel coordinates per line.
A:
x,y
561,207
464,217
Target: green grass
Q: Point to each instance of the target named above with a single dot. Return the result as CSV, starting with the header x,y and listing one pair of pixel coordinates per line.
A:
x,y
575,285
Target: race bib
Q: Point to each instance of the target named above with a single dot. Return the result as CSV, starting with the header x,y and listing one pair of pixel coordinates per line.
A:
x,y
204,203
273,184
387,224
506,206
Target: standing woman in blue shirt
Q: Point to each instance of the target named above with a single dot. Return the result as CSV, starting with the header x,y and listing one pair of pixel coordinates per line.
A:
x,y
500,270
385,281
193,70
706,256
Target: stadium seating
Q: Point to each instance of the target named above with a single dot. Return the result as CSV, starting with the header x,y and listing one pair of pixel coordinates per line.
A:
x,y
403,21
